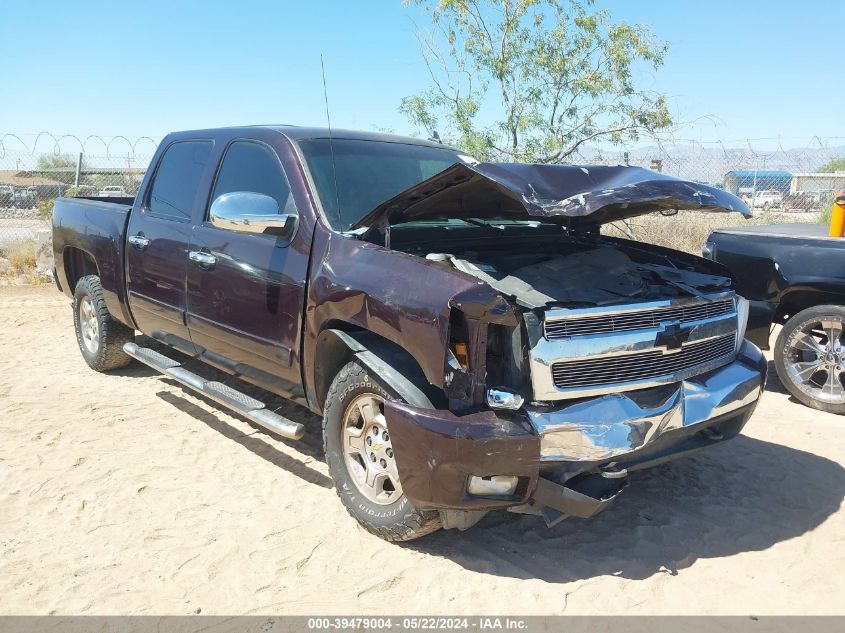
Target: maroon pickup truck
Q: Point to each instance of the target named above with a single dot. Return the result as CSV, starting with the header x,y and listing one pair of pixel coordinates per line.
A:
x,y
470,338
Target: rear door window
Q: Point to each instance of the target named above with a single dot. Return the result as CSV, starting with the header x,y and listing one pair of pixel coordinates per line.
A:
x,y
177,180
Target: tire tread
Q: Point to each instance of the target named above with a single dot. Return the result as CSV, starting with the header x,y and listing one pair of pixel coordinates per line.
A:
x,y
416,524
113,334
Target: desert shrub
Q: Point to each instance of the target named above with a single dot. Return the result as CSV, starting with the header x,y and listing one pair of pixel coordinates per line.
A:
x,y
45,209
21,256
826,206
688,230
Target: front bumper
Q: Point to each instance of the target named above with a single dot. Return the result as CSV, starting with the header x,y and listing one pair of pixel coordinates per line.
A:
x,y
437,451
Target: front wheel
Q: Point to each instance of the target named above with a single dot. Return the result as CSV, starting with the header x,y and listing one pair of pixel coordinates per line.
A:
x,y
810,357
360,458
100,337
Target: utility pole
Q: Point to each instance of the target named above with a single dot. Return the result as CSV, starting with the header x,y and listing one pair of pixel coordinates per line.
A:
x,y
78,170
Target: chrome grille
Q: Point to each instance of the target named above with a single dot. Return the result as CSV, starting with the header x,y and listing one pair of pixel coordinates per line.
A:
x,y
636,320
641,365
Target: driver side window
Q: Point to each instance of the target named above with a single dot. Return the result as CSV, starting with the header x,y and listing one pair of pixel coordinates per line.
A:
x,y
254,167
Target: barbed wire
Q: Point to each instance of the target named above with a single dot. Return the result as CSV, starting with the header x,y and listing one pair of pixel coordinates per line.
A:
x,y
57,148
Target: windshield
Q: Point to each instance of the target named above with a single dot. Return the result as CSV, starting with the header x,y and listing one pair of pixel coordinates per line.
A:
x,y
367,173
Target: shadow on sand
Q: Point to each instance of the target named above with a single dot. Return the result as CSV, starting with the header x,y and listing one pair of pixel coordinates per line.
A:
x,y
773,382
310,445
746,495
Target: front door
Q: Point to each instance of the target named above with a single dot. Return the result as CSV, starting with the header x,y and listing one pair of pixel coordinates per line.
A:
x,y
246,291
158,237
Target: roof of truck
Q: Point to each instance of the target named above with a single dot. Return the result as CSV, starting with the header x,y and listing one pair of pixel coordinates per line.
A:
x,y
299,133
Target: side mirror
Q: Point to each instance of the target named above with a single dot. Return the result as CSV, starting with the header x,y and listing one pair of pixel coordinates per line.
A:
x,y
248,212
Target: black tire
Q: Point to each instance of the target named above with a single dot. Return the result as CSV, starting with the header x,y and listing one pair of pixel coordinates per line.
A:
x,y
110,334
783,348
398,521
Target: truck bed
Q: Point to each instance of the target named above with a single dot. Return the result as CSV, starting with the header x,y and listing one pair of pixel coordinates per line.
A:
x,y
776,263
89,235
125,201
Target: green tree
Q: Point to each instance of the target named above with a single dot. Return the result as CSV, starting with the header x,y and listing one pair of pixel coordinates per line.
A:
x,y
837,164
48,162
534,80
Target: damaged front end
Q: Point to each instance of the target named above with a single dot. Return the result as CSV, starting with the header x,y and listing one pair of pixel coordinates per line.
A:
x,y
570,458
598,356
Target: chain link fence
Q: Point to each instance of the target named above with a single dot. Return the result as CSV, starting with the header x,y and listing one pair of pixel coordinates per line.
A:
x,y
801,179
36,169
31,178
779,184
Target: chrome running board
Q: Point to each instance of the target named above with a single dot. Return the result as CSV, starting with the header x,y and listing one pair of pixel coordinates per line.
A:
x,y
225,395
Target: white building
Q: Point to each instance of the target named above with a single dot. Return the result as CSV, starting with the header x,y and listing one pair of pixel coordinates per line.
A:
x,y
817,182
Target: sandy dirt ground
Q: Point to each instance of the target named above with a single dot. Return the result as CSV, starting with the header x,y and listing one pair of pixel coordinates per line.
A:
x,y
124,493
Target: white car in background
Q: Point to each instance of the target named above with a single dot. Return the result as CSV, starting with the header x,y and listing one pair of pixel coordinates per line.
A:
x,y
767,199
7,196
113,191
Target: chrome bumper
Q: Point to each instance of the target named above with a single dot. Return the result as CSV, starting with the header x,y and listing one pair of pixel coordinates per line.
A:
x,y
610,426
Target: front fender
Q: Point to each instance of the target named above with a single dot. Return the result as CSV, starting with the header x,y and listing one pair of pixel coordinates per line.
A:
x,y
402,299
393,365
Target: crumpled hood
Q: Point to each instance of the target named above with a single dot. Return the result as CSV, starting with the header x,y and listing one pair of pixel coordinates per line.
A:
x,y
572,194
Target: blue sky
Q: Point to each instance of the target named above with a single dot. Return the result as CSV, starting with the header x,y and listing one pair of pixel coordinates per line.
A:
x,y
759,69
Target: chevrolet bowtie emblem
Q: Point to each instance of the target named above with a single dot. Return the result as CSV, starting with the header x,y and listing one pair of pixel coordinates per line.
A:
x,y
672,337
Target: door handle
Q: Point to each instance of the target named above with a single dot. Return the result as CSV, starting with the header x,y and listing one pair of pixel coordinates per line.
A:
x,y
139,241
204,260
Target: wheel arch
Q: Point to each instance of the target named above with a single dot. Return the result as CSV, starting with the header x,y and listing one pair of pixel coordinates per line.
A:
x,y
340,343
78,263
795,300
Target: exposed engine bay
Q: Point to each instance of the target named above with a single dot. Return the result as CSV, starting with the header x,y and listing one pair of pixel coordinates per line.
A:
x,y
542,268
536,237
602,275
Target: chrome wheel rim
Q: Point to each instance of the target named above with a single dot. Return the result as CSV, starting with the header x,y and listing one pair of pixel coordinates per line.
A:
x,y
88,326
367,450
815,359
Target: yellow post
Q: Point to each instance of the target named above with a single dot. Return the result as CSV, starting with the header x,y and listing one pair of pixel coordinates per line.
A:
x,y
837,217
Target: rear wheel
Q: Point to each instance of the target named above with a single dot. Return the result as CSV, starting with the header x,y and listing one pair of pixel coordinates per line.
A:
x,y
810,357
100,337
360,458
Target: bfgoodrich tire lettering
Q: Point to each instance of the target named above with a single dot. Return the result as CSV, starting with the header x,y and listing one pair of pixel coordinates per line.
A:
x,y
100,337
391,520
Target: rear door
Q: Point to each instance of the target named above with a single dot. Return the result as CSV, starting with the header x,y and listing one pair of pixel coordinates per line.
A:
x,y
245,298
158,237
